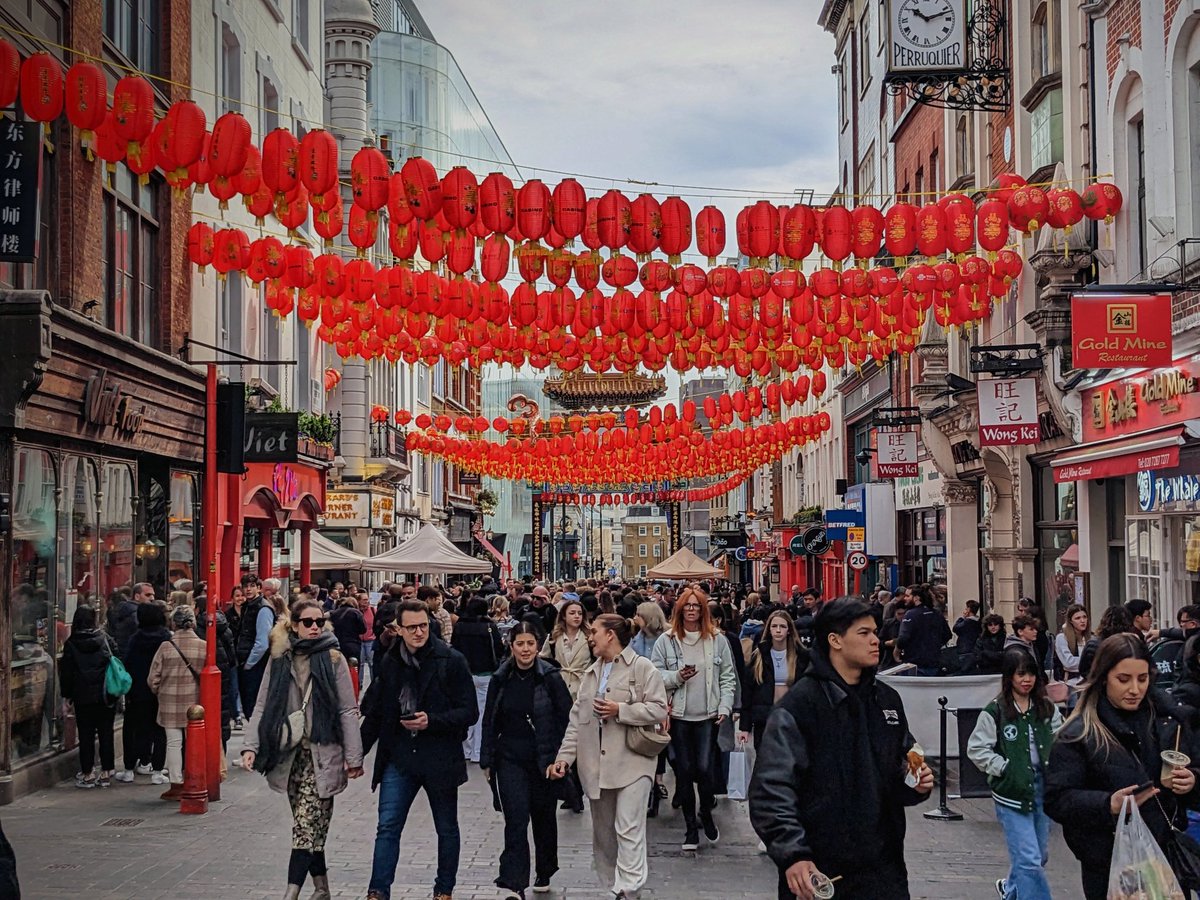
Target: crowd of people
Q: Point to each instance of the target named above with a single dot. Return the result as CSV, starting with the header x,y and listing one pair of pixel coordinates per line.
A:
x,y
586,693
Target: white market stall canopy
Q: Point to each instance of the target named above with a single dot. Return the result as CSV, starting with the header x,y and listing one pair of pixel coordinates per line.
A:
x,y
684,565
326,554
428,552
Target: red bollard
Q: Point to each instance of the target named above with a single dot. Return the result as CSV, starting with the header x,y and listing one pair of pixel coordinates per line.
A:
x,y
353,664
195,783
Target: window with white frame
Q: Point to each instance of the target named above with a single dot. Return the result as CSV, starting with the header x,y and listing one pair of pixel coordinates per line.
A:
x,y
642,571
300,23
864,50
658,551
231,70
657,530
641,531
964,146
642,550
269,105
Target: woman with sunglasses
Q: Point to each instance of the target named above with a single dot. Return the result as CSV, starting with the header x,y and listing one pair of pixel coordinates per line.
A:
x,y
698,670
309,675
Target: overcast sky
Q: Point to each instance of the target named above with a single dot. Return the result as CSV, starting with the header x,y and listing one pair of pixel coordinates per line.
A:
x,y
686,92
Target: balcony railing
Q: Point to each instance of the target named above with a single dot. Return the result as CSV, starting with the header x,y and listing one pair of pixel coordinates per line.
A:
x,y
387,442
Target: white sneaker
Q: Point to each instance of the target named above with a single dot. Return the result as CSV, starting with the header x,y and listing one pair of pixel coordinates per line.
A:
x,y
762,848
143,768
159,778
124,775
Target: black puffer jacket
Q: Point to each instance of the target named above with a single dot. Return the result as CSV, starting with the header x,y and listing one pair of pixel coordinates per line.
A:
x,y
139,653
828,785
989,650
478,639
1082,776
758,694
122,623
551,710
84,663
442,689
348,626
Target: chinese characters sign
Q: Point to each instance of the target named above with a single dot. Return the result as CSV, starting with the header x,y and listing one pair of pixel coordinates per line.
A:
x,y
896,454
20,178
1008,412
1116,331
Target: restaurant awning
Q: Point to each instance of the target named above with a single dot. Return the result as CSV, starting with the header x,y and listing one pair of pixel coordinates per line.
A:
x,y
1157,449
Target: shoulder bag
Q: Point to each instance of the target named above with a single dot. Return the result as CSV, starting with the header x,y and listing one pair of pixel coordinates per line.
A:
x,y
645,740
117,681
195,674
292,730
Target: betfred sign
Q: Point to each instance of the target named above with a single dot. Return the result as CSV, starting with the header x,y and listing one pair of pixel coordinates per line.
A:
x,y
1008,412
896,454
1117,331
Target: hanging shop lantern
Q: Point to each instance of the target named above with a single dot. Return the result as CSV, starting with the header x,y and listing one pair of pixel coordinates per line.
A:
x,y
229,146
460,197
613,220
568,205
1028,208
494,258
798,232
960,223
250,177
231,251
497,203
675,218
991,225
533,210
280,161
362,229
42,88
133,112
762,231
900,230
318,161
836,233
200,245
931,230
184,130
300,272
369,176
1066,209
1111,198
645,226
710,233
85,98
866,232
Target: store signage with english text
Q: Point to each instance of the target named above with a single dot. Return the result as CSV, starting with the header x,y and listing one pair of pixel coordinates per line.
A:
x,y
1116,466
896,454
1142,402
1008,412
344,509
1112,331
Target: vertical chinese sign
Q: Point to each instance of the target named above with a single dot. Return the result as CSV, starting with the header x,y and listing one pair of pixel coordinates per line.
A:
x,y
896,454
20,180
1008,412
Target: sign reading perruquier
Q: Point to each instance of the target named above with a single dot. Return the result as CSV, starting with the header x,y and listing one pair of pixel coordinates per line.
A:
x,y
20,180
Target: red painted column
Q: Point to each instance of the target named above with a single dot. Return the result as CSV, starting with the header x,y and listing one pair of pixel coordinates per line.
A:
x,y
266,553
208,752
305,556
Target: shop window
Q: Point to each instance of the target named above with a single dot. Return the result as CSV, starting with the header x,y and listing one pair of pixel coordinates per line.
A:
x,y
1057,544
150,548
1144,548
184,524
131,217
116,529
35,637
923,550
1114,492
77,538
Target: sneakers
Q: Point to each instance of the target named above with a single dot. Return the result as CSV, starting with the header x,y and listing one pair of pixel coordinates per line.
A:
x,y
710,827
509,894
159,778
541,885
239,723
85,782
143,768
691,839
1000,888
762,847
103,781
125,776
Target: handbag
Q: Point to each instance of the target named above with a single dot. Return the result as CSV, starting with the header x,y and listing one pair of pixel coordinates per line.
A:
x,y
117,681
645,740
291,732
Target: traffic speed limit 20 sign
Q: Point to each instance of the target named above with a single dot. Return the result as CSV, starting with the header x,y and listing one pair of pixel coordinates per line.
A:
x,y
857,561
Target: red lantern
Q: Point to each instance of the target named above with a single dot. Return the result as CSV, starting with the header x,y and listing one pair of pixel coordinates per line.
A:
x,y
133,112
835,233
613,220
762,230
931,230
422,187
231,251
1112,199
460,197
495,258
318,161
900,230
300,270
1066,209
280,161
10,74
960,223
402,239
86,98
362,229
369,175
676,229
497,203
991,225
1028,208
710,233
250,177
569,205
798,232
533,210
645,225
866,232
229,146
42,88
200,245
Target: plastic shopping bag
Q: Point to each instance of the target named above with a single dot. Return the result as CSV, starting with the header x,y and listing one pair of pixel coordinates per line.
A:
x,y
739,775
1139,868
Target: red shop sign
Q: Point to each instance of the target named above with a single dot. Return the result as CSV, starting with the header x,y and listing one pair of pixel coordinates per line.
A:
x,y
1116,466
1143,402
1115,331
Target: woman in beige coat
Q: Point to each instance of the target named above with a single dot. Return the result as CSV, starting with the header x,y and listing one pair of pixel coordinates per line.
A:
x,y
175,679
568,646
307,674
621,690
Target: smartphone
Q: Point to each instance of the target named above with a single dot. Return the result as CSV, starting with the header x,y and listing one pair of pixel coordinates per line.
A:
x,y
408,717
1142,788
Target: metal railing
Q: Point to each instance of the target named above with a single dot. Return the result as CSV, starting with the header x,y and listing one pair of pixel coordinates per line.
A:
x,y
388,442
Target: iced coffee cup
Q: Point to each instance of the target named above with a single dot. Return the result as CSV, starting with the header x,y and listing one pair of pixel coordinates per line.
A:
x,y
1171,760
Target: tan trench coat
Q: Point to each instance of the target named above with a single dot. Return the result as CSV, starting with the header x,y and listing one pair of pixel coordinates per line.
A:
x,y
599,751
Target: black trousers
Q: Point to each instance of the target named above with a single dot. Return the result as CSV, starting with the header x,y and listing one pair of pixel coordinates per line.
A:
x,y
526,797
94,720
1095,882
249,681
694,746
882,880
143,739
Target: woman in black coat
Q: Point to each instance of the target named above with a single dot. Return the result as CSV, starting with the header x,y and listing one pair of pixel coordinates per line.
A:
x,y
778,660
84,664
144,740
989,649
1111,744
524,721
348,626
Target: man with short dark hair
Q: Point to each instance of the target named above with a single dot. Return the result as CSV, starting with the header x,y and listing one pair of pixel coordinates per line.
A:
x,y
418,710
923,633
122,615
1142,613
836,768
251,642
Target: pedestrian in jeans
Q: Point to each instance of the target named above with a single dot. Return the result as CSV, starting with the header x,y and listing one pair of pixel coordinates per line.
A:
x,y
144,739
524,721
307,672
1011,746
257,618
418,709
85,657
620,691
175,680
697,668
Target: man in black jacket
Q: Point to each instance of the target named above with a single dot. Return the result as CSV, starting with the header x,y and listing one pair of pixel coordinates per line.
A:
x,y
833,775
923,633
418,709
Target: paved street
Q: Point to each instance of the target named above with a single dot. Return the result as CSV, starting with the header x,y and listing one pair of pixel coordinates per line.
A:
x,y
126,843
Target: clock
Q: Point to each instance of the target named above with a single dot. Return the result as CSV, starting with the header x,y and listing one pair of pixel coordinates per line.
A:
x,y
927,24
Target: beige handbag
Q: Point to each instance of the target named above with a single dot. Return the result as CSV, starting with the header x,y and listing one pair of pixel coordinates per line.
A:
x,y
645,740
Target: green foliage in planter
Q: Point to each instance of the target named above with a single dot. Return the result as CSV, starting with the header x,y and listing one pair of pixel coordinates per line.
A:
x,y
320,428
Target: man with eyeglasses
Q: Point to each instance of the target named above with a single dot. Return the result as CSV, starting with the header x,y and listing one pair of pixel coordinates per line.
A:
x,y
418,709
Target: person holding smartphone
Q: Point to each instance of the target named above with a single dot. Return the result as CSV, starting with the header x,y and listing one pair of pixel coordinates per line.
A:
x,y
697,668
1111,748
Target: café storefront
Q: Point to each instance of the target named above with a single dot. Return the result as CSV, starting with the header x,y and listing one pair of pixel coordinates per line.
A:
x,y
101,445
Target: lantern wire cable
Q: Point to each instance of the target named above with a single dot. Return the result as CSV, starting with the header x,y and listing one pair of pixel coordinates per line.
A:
x,y
720,193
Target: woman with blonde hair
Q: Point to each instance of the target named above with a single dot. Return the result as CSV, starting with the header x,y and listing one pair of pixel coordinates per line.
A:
x,y
568,645
698,670
651,623
1069,644
777,661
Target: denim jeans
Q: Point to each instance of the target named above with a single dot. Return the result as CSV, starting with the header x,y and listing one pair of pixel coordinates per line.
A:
x,y
1028,839
397,791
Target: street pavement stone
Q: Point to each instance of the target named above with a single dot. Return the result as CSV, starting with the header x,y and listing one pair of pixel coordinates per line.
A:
x,y
70,843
